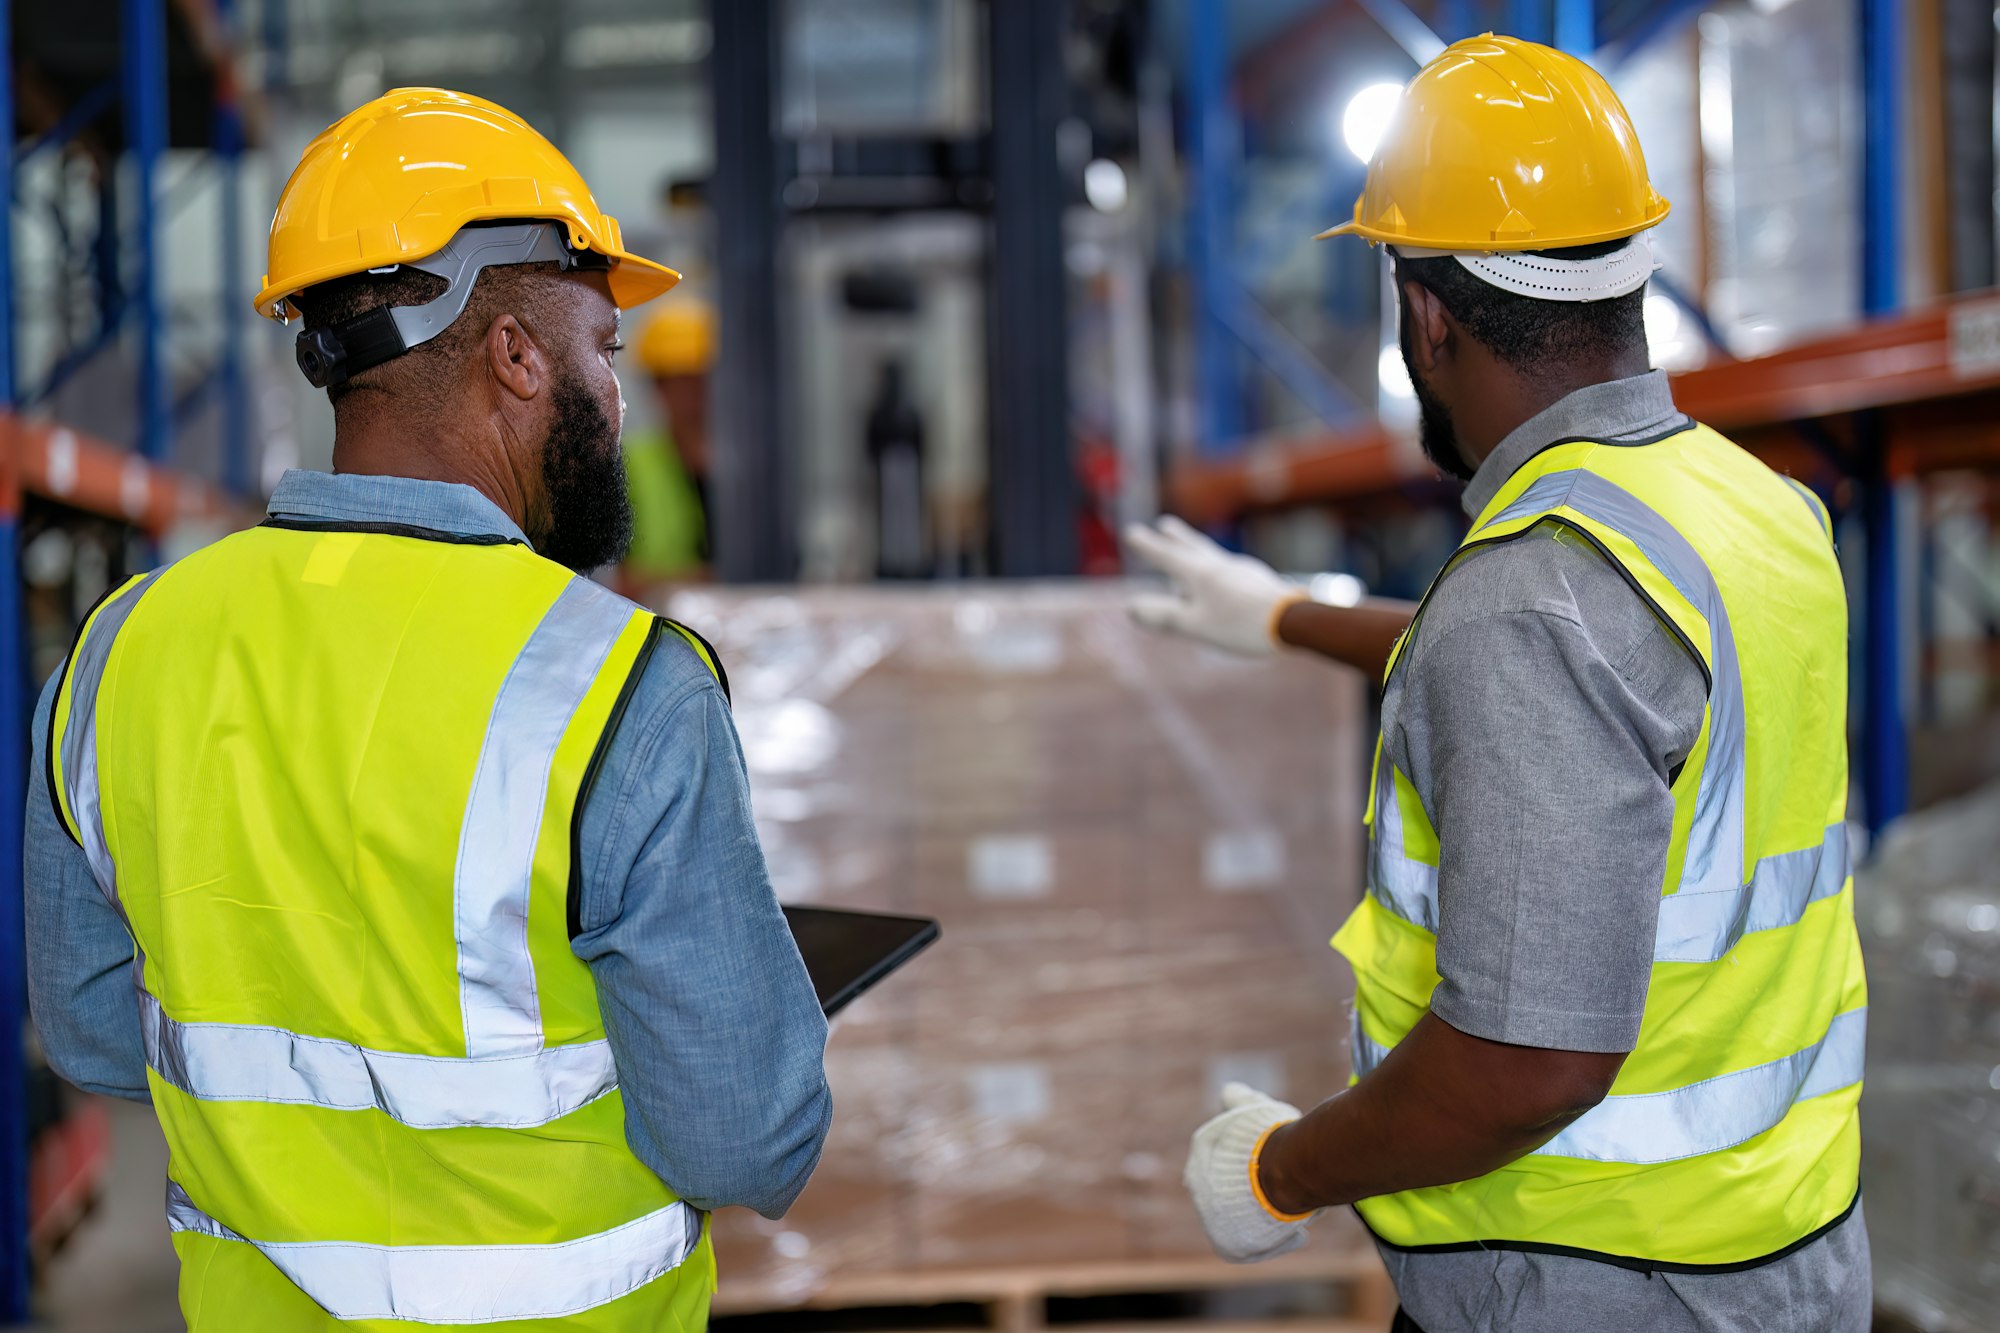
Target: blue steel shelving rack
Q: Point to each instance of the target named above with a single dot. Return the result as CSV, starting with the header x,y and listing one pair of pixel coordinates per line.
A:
x,y
14,1276
1228,320
140,93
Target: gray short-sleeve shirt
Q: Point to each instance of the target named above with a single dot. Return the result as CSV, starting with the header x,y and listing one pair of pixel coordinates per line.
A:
x,y
1541,711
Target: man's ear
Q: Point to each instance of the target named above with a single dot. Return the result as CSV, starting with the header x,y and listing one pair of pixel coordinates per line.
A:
x,y
514,358
1431,327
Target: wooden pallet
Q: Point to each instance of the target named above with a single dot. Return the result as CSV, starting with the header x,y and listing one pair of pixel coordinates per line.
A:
x,y
1016,1300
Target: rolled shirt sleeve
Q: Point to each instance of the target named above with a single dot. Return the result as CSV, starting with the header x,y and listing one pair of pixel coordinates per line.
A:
x,y
715,1026
1543,716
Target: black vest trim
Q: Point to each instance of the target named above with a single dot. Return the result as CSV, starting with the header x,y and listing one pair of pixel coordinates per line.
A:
x,y
391,530
625,693
1625,1261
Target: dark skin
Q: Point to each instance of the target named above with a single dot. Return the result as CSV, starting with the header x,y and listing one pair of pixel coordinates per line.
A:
x,y
488,425
1445,1105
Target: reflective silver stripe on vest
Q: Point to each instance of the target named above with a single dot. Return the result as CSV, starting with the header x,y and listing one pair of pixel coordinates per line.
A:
x,y
503,815
1712,907
1703,927
1405,885
1715,841
1717,1113
79,738
243,1063
1821,519
507,1080
468,1284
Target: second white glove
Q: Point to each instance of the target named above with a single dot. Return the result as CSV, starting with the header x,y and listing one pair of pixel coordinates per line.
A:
x,y
1229,600
1240,1223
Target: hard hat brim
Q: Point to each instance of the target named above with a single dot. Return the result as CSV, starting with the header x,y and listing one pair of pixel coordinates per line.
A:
x,y
636,280
1476,245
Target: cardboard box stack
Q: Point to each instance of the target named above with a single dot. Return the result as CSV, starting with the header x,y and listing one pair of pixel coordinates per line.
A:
x,y
1138,849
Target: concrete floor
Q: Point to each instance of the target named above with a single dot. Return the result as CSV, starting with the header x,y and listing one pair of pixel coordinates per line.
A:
x,y
118,1273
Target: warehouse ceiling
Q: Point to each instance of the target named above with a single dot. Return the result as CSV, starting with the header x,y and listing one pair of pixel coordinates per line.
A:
x,y
516,51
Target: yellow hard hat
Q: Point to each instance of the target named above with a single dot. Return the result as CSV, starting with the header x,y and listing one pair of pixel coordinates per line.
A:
x,y
394,180
1500,144
679,339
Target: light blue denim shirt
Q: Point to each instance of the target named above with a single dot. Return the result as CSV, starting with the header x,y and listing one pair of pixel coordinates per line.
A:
x,y
712,1019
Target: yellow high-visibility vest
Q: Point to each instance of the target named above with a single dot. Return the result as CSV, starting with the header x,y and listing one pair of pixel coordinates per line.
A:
x,y
330,778
1731,1133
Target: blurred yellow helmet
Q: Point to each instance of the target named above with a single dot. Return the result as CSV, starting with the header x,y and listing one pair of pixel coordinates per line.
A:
x,y
679,338
394,180
1503,145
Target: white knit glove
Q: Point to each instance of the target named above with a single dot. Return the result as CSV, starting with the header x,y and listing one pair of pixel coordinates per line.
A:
x,y
1240,1224
1232,601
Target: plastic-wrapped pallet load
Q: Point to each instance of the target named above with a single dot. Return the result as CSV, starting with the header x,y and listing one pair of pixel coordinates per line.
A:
x,y
1138,849
1929,907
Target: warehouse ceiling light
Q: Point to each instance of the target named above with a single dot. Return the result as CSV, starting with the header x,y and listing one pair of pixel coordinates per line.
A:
x,y
1367,116
1104,185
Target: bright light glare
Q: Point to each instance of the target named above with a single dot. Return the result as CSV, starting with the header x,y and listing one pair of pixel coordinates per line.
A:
x,y
1671,336
1663,320
1104,185
1367,117
1393,375
1337,589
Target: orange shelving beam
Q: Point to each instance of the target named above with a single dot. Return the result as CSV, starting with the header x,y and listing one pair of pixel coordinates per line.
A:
x,y
1932,371
75,469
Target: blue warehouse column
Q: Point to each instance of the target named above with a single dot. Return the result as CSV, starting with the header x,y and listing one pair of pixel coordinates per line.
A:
x,y
13,770
1885,760
1576,26
143,71
1528,20
236,475
1211,150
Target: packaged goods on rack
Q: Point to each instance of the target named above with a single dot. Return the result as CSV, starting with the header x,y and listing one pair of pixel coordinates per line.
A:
x,y
1138,849
1929,909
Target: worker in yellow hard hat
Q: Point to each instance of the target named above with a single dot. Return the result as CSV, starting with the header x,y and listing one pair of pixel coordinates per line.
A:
x,y
667,467
1609,1014
409,873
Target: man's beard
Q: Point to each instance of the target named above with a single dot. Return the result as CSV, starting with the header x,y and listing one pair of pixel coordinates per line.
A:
x,y
583,483
1434,429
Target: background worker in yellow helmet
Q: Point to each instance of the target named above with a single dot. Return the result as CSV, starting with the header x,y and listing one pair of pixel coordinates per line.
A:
x,y
1609,1007
461,992
667,467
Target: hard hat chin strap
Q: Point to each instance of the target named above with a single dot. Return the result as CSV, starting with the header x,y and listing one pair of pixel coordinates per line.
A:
x,y
332,355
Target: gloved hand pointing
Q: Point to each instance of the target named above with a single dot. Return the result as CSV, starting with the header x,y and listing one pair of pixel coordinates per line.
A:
x,y
1229,600
1222,1176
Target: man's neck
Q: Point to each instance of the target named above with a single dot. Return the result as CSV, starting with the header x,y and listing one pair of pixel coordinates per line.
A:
x,y
1520,399
423,450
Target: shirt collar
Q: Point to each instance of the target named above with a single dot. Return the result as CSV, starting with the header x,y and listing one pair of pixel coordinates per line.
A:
x,y
1627,410
442,506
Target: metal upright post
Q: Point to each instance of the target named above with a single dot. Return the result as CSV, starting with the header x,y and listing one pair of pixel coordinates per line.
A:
x,y
751,511
1526,20
276,44
14,1273
143,55
1884,738
1881,127
1454,18
235,313
1034,495
1211,148
1576,26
